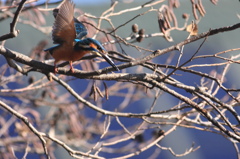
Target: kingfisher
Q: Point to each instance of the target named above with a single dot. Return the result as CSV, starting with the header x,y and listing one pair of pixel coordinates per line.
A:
x,y
68,34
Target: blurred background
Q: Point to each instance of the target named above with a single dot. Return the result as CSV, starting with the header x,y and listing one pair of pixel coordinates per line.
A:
x,y
223,14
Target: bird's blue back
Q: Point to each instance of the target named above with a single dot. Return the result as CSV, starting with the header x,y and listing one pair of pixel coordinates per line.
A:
x,y
81,30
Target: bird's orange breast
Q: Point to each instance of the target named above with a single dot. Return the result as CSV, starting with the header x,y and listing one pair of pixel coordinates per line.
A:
x,y
62,53
67,53
77,55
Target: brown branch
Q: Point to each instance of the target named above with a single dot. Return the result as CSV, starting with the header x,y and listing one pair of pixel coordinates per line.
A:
x,y
200,107
30,126
190,150
41,135
82,74
187,41
152,79
13,32
5,16
100,110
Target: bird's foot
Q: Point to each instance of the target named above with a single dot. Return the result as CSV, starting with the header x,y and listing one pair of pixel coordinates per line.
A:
x,y
71,69
55,70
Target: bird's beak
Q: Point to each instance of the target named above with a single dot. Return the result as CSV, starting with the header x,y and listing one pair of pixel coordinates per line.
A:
x,y
107,58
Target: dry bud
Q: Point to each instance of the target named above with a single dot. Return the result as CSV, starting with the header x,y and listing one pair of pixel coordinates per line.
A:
x,y
135,28
176,4
31,80
140,38
158,133
185,16
141,32
44,93
139,138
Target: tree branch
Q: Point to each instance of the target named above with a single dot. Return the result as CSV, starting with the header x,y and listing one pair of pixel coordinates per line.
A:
x,y
13,32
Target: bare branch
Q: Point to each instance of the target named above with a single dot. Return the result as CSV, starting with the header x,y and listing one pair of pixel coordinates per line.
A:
x,y
13,32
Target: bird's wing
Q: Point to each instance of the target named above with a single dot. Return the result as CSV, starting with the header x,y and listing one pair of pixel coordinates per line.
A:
x,y
63,27
52,48
80,29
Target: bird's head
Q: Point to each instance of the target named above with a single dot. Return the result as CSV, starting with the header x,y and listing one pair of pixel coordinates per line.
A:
x,y
94,46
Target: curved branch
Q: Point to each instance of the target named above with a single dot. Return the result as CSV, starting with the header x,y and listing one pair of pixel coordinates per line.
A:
x,y
13,32
30,126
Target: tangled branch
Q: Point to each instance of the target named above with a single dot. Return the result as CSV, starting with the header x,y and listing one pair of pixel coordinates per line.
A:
x,y
95,112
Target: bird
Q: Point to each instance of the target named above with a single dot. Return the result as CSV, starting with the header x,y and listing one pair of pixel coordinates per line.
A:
x,y
81,30
68,34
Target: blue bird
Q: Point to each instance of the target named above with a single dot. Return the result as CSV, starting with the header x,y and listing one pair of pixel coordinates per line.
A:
x,y
68,35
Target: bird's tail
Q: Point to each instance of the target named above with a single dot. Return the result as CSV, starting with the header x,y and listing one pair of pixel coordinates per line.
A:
x,y
50,50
